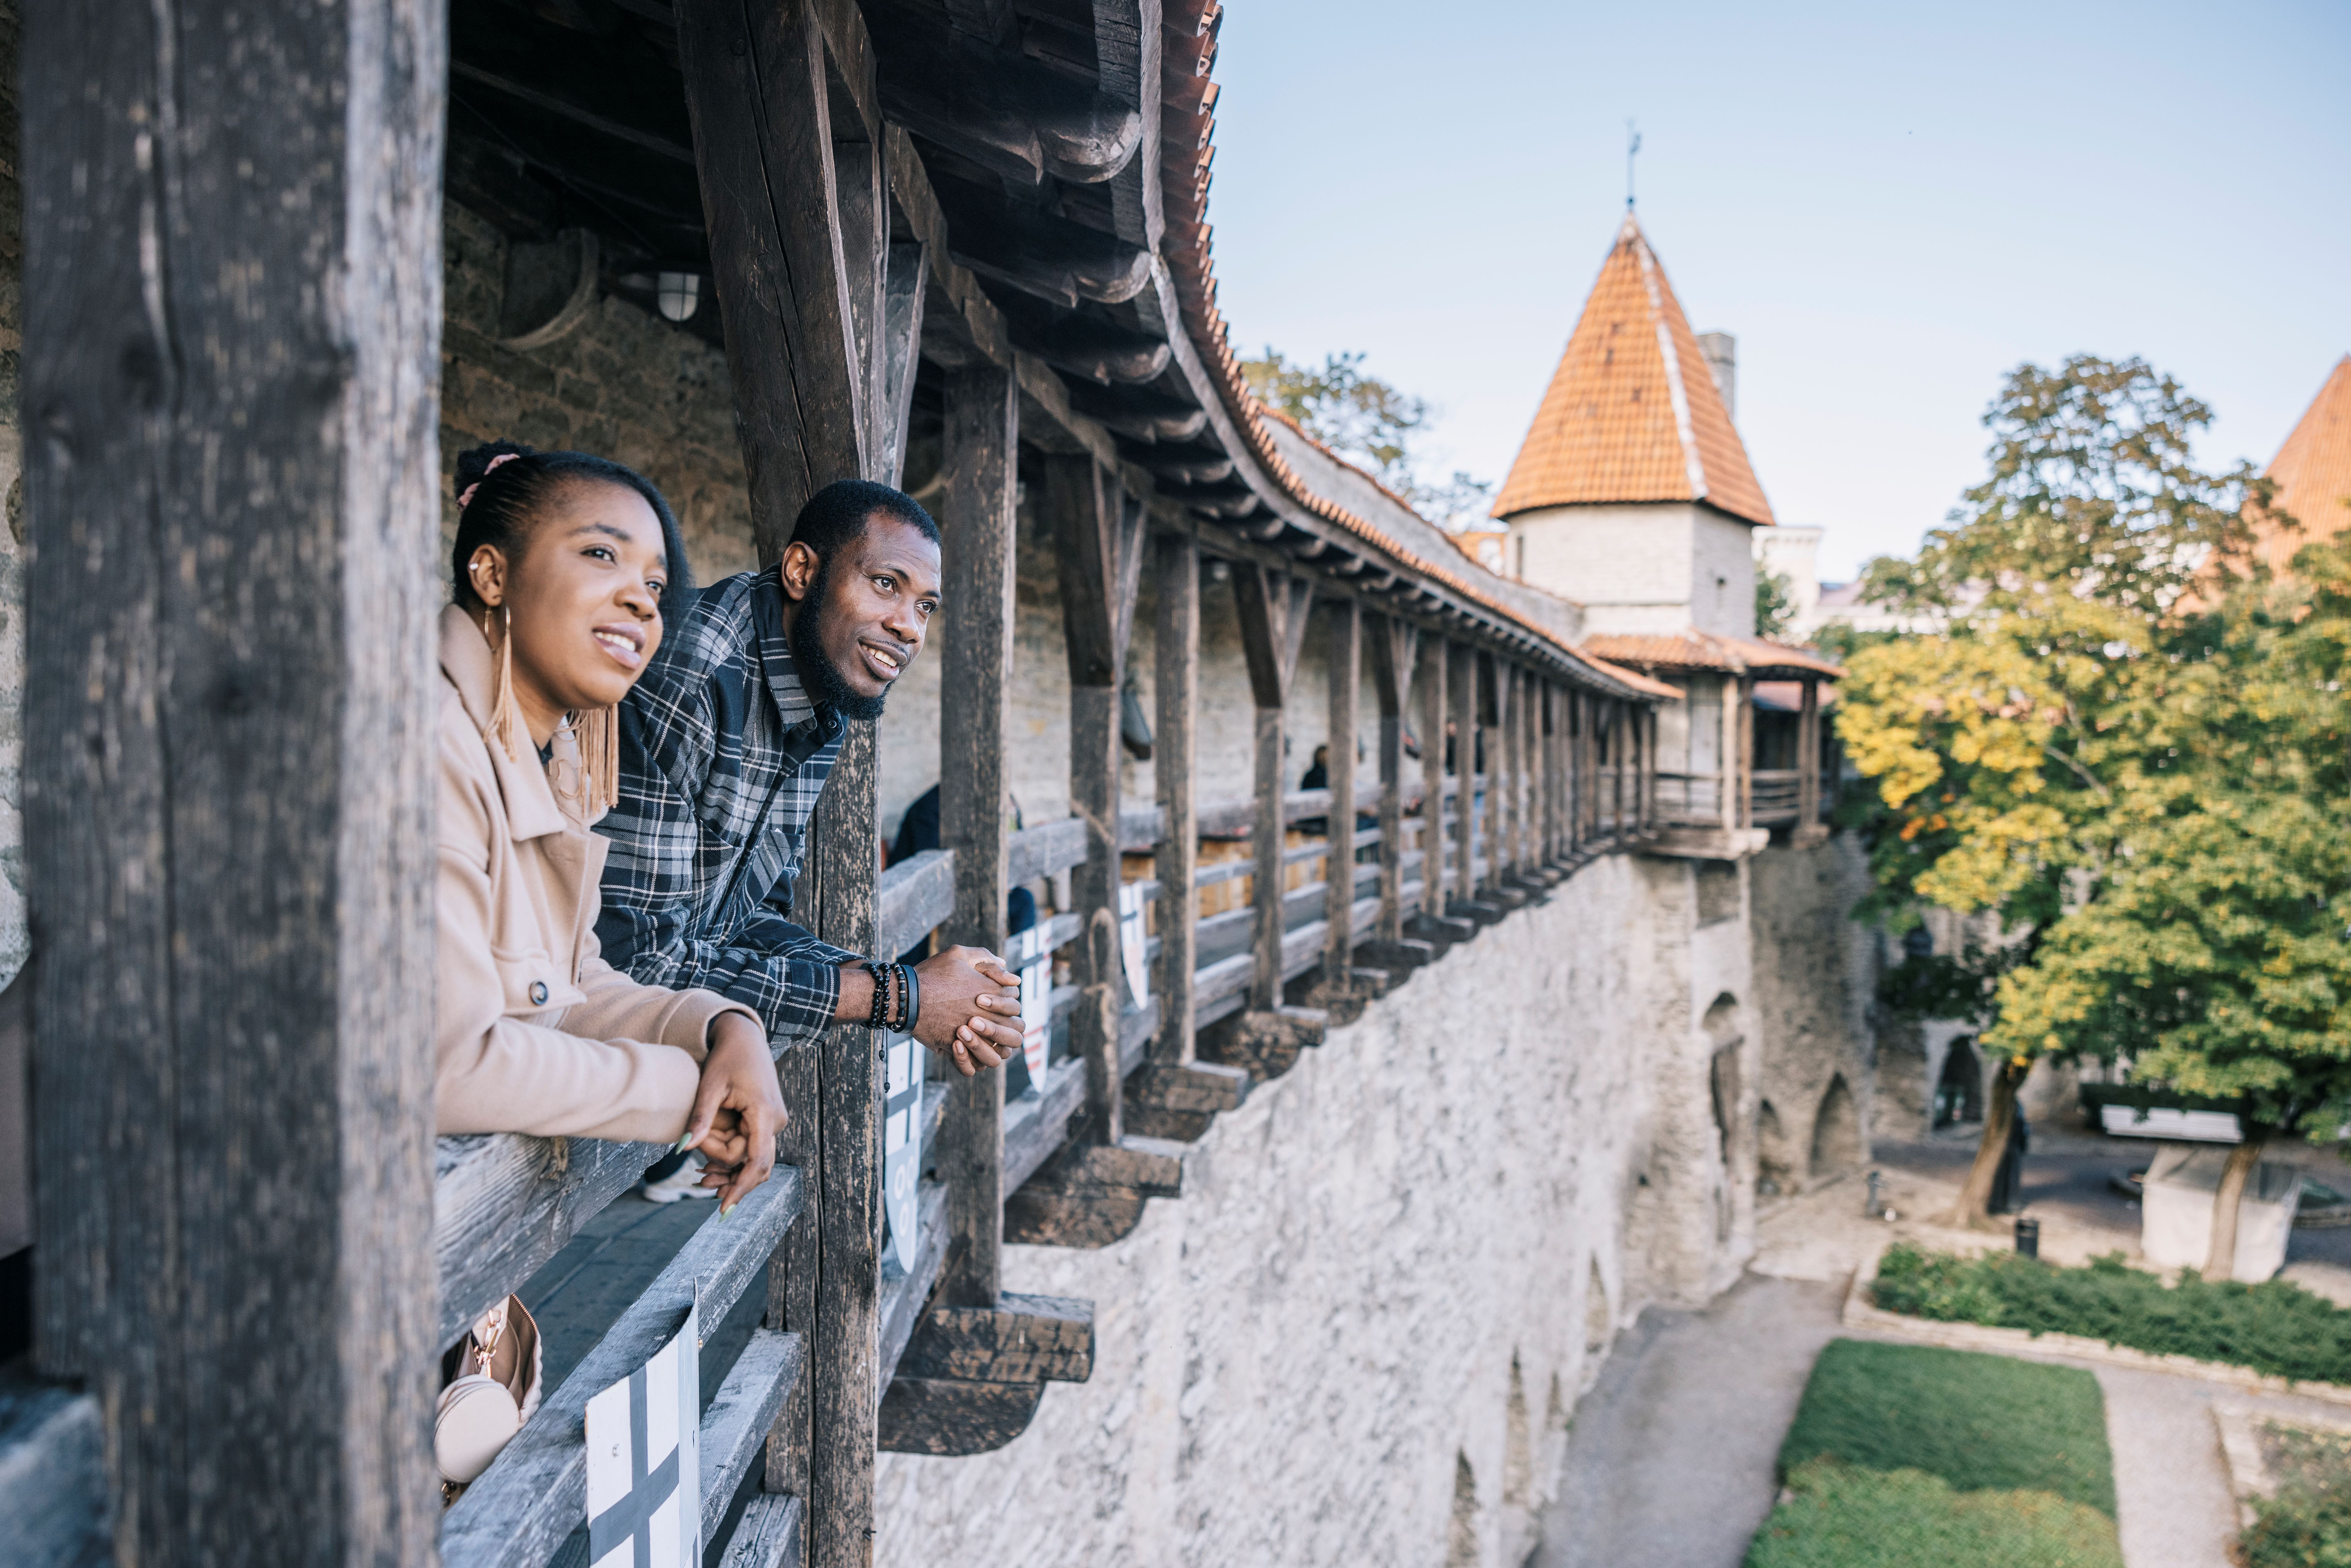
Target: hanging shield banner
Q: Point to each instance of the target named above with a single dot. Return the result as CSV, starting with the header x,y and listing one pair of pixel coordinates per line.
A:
x,y
1033,962
1133,945
645,1460
901,1143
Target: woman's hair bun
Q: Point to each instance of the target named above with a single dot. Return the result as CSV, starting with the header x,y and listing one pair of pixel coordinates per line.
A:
x,y
475,461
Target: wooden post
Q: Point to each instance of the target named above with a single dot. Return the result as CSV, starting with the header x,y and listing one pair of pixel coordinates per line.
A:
x,y
1727,769
1467,713
1649,794
1176,1095
794,207
1347,661
974,637
1492,733
1746,729
1273,614
1175,768
758,91
232,305
1808,761
1432,681
1394,644
1098,532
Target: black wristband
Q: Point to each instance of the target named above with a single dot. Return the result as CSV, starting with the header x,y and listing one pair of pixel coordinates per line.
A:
x,y
878,1010
913,999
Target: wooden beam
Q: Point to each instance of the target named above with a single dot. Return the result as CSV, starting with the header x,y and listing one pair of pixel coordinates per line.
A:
x,y
1098,536
971,1380
1434,682
231,311
1014,115
1468,712
902,345
1395,648
1340,990
1176,1095
758,88
975,661
1273,608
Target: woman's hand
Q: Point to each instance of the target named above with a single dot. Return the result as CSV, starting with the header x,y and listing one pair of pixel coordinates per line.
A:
x,y
962,987
738,1110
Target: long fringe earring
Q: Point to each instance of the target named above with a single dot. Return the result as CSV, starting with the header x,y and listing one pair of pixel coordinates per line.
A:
x,y
502,713
598,732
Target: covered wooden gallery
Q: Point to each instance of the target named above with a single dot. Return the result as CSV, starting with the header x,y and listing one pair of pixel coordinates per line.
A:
x,y
973,229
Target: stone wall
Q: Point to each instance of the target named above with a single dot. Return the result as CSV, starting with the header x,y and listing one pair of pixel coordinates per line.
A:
x,y
1815,996
1376,1297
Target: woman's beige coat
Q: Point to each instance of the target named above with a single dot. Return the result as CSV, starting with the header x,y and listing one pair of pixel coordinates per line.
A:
x,y
535,1032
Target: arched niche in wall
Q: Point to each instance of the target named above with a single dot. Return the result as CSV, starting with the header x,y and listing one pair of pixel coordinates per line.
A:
x,y
1836,1131
1720,1026
1518,1444
1959,1087
1461,1530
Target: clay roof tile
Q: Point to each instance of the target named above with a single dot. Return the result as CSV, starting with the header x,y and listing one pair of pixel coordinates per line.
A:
x,y
1633,413
2312,471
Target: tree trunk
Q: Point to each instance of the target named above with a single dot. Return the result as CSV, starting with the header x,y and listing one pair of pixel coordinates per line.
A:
x,y
2220,1263
1973,1209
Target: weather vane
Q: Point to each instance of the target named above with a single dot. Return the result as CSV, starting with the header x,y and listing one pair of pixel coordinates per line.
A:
x,y
1632,148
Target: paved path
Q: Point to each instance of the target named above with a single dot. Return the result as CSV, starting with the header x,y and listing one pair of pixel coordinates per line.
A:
x,y
1671,1459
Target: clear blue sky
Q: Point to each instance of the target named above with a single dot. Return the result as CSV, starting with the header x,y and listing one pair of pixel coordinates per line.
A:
x,y
1889,204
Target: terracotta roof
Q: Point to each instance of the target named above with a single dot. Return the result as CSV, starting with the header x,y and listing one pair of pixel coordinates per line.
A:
x,y
2312,471
1188,133
1696,650
1633,413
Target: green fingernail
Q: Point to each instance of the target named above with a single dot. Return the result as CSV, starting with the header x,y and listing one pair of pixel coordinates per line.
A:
x,y
681,1144
728,1211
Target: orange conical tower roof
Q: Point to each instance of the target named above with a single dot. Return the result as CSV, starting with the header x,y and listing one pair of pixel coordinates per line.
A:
x,y
2312,471
1633,413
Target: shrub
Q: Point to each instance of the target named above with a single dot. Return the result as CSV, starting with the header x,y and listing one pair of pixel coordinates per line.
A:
x,y
2272,1327
2308,1523
1841,1516
1980,1423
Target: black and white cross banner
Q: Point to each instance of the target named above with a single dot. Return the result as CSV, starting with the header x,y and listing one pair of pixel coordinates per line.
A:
x,y
901,1143
645,1460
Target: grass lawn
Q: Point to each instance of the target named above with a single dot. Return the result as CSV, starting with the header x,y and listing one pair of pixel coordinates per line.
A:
x,y
2308,1523
1911,1454
2272,1327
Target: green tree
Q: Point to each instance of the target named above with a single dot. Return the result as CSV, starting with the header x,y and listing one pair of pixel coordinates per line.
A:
x,y
2015,750
1368,420
1774,604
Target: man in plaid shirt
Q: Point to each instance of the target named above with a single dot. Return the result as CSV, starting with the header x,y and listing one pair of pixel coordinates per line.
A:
x,y
725,743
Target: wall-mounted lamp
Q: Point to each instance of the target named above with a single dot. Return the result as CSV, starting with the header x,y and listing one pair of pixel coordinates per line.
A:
x,y
679,294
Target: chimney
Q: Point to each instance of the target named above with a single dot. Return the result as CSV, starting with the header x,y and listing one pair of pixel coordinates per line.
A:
x,y
1721,351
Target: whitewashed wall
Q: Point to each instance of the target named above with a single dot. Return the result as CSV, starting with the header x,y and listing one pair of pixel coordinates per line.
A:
x,y
1377,1282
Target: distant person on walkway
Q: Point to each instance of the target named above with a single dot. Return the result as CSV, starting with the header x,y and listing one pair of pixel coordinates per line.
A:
x,y
724,748
2008,1179
562,566
918,831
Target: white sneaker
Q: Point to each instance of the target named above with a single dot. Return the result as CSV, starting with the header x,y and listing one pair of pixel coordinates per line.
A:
x,y
679,1183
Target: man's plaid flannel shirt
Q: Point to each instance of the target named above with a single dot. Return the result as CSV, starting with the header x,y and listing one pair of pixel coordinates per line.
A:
x,y
723,756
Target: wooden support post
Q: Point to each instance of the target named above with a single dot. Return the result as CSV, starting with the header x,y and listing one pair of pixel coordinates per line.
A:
x,y
1467,712
1342,991
1093,1192
1808,830
1273,608
1726,770
1746,729
1176,1095
758,91
1433,925
977,531
1493,827
1273,614
1395,645
232,304
1649,820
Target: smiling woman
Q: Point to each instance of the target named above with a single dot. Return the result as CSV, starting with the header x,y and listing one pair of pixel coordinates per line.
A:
x,y
563,567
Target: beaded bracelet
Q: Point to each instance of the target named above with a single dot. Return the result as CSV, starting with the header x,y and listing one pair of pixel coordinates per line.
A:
x,y
880,1010
912,991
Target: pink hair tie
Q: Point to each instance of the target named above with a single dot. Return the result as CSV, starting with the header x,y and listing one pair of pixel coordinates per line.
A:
x,y
466,495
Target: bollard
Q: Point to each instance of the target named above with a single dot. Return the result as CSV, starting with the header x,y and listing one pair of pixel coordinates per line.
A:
x,y
1871,1208
2028,1239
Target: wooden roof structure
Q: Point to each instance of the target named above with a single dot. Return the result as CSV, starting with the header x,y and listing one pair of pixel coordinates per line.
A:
x,y
2312,471
1632,413
1055,162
